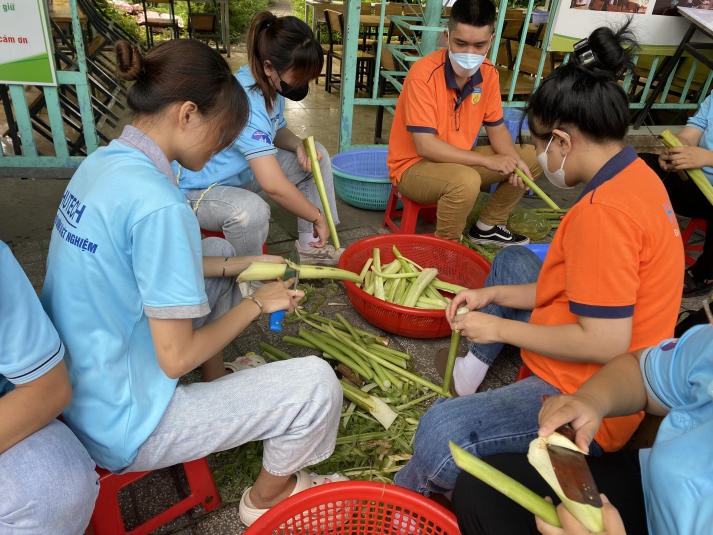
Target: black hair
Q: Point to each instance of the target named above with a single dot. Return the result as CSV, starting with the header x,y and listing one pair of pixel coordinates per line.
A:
x,y
585,92
182,70
473,13
288,43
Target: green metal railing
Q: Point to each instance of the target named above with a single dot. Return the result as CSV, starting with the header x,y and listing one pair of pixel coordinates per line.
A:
x,y
30,163
683,90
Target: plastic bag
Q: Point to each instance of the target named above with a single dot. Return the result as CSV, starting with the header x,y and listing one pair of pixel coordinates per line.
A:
x,y
529,223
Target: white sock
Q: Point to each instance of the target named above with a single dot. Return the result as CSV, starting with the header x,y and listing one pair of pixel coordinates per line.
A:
x,y
468,373
483,226
305,239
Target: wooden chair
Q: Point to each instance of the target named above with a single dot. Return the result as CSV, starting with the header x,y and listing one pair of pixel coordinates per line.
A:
x,y
365,60
204,27
334,48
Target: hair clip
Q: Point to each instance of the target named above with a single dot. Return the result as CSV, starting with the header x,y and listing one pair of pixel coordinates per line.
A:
x,y
267,23
583,52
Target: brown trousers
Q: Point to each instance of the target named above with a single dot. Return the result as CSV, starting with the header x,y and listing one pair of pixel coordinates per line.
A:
x,y
455,187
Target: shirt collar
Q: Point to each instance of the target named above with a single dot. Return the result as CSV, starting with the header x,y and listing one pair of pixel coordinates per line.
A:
x,y
475,80
610,169
136,139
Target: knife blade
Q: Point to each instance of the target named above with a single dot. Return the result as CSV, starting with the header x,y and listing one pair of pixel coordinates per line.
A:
x,y
572,472
292,270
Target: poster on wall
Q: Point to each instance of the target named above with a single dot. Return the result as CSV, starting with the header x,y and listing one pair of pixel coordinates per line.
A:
x,y
25,45
657,25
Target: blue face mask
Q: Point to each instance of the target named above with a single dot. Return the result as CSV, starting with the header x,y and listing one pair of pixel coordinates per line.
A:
x,y
465,65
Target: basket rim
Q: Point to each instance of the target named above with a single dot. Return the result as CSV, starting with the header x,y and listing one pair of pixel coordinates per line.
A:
x,y
355,178
345,153
336,160
395,239
356,490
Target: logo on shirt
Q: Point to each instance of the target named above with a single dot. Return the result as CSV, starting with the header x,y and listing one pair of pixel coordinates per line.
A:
x,y
476,94
263,137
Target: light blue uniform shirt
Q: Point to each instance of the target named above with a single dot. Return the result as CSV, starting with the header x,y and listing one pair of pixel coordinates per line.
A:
x,y
677,472
125,246
703,120
230,167
29,343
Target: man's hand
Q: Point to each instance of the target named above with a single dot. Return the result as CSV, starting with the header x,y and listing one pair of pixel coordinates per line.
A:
x,y
501,163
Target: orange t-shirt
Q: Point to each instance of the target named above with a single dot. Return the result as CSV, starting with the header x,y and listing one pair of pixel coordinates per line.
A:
x,y
431,102
617,253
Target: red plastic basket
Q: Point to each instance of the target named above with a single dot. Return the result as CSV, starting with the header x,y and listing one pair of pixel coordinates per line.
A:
x,y
356,508
455,263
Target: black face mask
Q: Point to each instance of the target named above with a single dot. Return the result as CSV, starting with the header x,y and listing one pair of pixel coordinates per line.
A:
x,y
293,93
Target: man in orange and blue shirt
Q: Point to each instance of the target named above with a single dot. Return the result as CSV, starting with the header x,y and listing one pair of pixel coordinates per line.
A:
x,y
447,96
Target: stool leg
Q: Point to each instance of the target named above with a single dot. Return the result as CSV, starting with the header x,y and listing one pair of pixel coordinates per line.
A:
x,y
200,480
106,518
391,212
409,217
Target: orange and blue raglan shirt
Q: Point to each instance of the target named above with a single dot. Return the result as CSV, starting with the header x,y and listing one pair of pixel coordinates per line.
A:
x,y
431,102
616,254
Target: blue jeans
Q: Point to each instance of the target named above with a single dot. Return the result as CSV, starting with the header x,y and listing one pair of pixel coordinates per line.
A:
x,y
503,420
512,265
48,484
496,421
242,213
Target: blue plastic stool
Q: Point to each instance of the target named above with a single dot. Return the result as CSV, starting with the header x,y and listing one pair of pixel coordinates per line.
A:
x,y
540,249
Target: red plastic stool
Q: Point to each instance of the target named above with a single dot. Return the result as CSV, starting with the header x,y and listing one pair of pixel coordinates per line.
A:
x,y
523,373
212,233
408,214
694,224
219,234
107,519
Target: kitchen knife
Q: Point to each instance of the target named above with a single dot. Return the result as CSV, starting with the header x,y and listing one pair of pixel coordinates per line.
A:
x,y
564,466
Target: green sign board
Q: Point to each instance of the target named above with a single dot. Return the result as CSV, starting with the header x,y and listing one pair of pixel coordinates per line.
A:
x,y
25,45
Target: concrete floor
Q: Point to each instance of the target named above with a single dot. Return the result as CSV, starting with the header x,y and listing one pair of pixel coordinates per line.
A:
x,y
27,208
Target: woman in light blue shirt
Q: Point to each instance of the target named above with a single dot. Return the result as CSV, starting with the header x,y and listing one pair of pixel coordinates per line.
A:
x,y
140,301
47,479
267,160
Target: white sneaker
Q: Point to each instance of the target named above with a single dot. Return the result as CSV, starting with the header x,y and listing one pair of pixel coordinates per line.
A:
x,y
319,256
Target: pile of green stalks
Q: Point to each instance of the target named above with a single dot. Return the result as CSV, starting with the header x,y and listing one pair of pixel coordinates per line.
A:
x,y
403,282
384,399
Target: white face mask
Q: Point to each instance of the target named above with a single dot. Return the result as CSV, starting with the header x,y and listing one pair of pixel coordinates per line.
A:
x,y
555,177
465,65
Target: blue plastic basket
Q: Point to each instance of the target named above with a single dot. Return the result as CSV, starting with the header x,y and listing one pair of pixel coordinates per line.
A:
x,y
361,178
515,119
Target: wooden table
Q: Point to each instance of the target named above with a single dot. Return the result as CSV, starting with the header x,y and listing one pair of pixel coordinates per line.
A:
x,y
699,19
60,13
314,11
